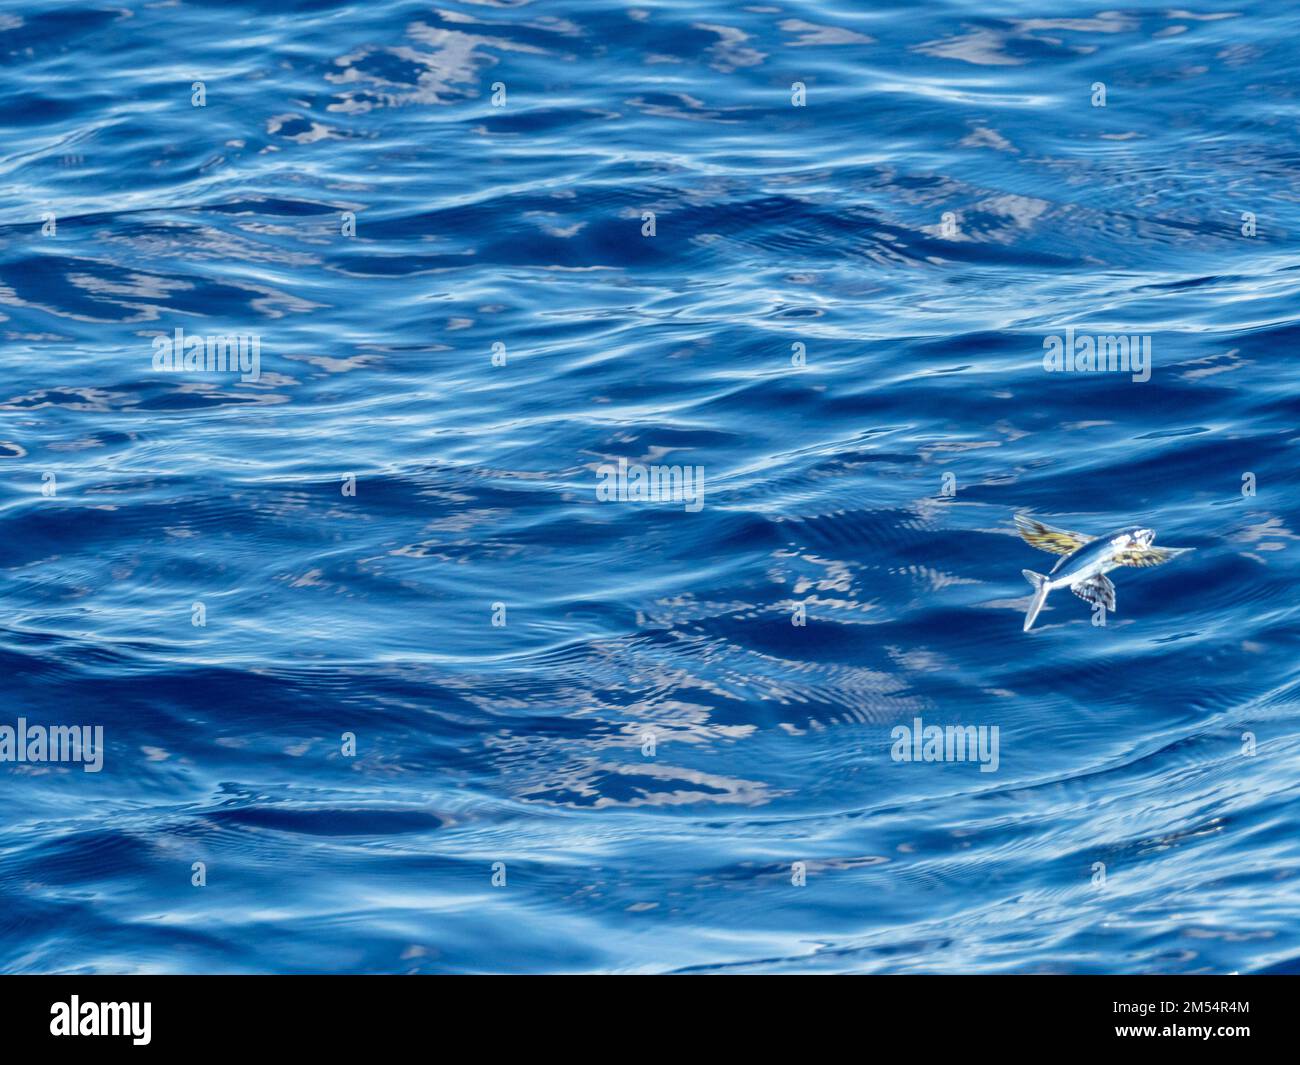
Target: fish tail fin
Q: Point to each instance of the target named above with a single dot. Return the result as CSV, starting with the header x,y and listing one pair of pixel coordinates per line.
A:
x,y
1041,588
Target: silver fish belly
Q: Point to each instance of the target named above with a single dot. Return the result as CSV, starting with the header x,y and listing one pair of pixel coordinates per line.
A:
x,y
1088,561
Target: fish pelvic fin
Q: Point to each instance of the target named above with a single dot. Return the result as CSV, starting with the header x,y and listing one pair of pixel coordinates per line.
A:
x,y
1098,589
1041,587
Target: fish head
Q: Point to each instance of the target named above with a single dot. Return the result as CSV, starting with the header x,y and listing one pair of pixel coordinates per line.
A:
x,y
1136,538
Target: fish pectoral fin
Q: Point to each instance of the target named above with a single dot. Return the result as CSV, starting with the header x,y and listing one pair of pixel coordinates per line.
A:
x,y
1096,590
1045,538
1150,556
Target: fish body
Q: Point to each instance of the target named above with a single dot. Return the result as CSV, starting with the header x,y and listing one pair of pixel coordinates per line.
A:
x,y
1085,561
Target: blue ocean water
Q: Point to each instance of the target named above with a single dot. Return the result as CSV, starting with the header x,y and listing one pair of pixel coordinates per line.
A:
x,y
377,665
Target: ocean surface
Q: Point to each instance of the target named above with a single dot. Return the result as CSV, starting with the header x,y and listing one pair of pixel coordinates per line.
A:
x,y
390,682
